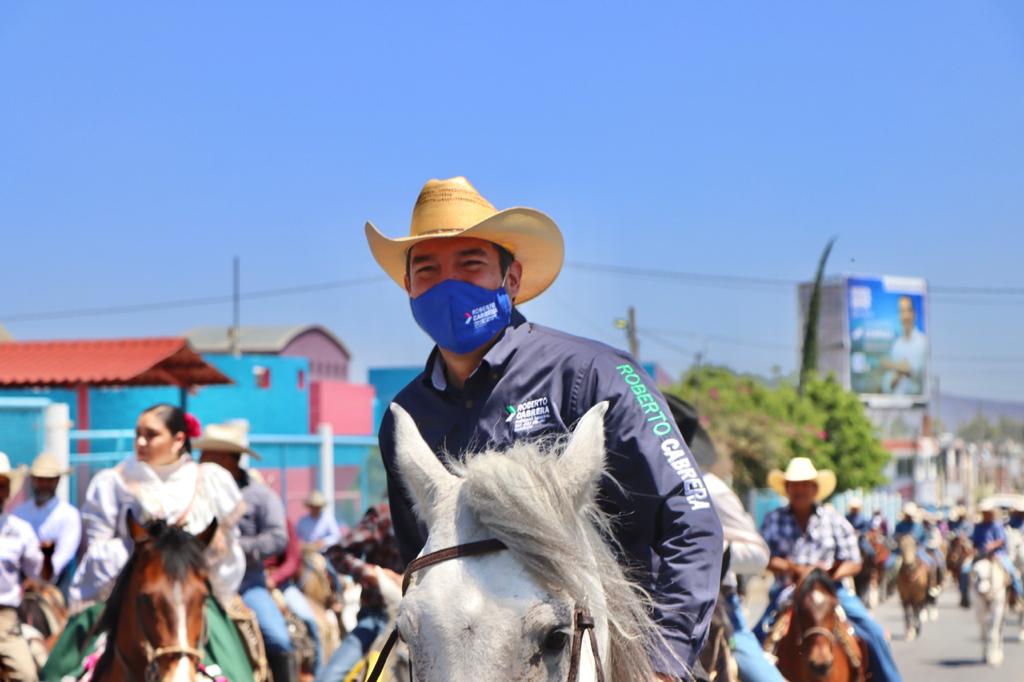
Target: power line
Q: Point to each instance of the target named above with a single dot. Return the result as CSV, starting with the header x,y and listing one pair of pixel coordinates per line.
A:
x,y
70,313
780,285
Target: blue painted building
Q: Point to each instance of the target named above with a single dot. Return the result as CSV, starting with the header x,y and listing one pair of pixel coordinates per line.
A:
x,y
278,406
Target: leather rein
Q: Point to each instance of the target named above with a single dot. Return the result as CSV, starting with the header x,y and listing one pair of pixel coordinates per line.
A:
x,y
582,619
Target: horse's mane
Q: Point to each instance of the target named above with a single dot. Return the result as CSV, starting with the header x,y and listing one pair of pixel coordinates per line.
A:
x,y
179,552
815,578
522,496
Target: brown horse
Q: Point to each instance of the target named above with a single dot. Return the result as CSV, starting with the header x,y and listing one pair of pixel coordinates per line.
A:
x,y
870,582
819,645
43,615
154,618
912,583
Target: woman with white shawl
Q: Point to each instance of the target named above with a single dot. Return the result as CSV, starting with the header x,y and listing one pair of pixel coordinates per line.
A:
x,y
160,481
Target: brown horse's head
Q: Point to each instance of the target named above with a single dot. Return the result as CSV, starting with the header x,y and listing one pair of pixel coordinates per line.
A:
x,y
815,622
154,617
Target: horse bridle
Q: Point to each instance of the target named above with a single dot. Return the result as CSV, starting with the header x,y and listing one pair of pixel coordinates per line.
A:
x,y
154,654
582,619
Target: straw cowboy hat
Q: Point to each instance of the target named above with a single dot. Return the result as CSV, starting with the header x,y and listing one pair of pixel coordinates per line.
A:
x,y
802,469
855,503
988,505
47,466
15,476
910,509
316,499
230,437
453,208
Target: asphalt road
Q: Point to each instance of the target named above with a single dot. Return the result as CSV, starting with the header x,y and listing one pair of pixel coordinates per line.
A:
x,y
950,649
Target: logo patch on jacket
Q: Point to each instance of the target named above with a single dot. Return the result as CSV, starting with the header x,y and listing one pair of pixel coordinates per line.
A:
x,y
529,415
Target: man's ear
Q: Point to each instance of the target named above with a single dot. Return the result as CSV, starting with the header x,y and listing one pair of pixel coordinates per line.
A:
x,y
513,278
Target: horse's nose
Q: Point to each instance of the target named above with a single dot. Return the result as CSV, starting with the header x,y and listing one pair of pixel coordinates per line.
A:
x,y
821,668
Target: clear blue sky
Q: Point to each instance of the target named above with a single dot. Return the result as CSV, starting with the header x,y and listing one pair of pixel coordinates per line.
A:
x,y
142,145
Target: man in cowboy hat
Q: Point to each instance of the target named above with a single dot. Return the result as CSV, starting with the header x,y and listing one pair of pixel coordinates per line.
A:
x,y
493,377
855,515
989,540
56,523
912,524
804,535
316,528
263,534
19,553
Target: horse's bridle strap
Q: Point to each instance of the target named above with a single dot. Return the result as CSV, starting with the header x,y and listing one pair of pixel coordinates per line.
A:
x,y
584,621
582,618
448,553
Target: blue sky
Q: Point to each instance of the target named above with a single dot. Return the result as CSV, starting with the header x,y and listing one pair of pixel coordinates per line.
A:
x,y
142,145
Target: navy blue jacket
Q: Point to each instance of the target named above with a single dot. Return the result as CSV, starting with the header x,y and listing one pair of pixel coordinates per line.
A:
x,y
536,381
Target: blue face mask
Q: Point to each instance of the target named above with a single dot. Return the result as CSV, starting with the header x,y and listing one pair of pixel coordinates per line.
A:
x,y
461,317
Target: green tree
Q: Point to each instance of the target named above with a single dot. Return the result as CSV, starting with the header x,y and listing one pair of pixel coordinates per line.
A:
x,y
760,426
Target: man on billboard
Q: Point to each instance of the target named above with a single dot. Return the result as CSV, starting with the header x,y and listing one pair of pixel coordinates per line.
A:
x,y
905,367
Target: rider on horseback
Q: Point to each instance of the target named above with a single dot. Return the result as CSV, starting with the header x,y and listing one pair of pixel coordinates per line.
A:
x,y
911,524
989,540
19,554
263,535
496,378
160,481
805,535
57,524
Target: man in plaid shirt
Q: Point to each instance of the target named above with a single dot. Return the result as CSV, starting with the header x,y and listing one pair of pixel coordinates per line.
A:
x,y
804,535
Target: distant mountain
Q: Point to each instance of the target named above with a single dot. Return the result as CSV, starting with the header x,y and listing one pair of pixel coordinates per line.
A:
x,y
954,411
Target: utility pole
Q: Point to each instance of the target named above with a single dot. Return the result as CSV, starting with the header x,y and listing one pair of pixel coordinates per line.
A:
x,y
233,335
629,326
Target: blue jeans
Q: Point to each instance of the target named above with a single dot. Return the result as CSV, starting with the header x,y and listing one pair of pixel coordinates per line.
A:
x,y
298,605
965,575
354,647
750,658
272,623
881,665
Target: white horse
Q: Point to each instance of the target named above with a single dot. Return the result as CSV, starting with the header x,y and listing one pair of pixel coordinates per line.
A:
x,y
508,615
1015,548
989,582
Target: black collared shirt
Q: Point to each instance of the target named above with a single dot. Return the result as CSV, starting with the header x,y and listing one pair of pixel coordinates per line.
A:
x,y
536,381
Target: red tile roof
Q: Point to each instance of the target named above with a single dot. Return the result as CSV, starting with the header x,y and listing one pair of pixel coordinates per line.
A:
x,y
105,362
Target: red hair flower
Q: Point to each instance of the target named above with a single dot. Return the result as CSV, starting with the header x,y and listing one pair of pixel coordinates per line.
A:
x,y
192,426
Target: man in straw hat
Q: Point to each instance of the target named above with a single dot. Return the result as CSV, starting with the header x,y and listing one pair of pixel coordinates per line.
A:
x,y
263,534
57,524
493,377
19,554
316,528
989,540
806,534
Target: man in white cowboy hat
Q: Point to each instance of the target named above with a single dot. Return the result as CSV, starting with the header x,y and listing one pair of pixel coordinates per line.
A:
x,y
912,524
316,528
855,515
989,540
494,378
806,534
19,553
56,523
263,533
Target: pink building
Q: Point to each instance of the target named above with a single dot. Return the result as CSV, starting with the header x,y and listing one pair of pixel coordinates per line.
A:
x,y
346,406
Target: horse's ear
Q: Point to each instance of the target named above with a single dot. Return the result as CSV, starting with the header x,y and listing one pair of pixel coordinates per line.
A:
x,y
206,537
136,531
582,461
425,477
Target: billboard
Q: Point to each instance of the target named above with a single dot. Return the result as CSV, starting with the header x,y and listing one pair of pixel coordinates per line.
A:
x,y
887,334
